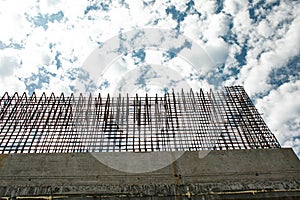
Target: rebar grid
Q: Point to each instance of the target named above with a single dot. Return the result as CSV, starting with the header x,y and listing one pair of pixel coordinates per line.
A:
x,y
175,122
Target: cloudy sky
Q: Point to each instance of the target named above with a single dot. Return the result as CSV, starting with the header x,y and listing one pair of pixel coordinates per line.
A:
x,y
153,45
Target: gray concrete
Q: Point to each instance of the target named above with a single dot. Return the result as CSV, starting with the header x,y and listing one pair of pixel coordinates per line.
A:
x,y
243,174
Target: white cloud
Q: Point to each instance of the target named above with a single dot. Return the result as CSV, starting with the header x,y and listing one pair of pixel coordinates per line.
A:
x,y
57,86
206,8
52,6
281,111
235,7
217,49
264,29
12,85
280,52
271,43
13,21
8,64
73,10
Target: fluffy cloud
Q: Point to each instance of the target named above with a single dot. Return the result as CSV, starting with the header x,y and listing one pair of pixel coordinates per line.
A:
x,y
271,43
256,45
281,110
8,65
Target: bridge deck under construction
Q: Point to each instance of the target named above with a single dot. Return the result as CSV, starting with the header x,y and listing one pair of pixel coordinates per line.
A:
x,y
184,121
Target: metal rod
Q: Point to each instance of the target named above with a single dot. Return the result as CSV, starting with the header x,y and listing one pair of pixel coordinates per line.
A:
x,y
184,121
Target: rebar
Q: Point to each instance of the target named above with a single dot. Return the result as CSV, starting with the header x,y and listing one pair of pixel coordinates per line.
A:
x,y
185,121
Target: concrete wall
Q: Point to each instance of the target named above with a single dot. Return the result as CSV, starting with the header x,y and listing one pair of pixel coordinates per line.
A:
x,y
259,173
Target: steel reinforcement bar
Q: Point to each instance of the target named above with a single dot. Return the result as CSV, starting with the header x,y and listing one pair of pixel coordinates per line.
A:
x,y
185,121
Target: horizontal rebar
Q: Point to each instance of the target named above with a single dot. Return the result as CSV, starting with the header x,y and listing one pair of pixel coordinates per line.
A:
x,y
185,121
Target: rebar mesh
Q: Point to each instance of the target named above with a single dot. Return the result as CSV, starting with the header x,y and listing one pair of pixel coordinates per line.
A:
x,y
186,121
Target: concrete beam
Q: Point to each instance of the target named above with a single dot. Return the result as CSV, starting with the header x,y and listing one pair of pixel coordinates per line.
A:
x,y
252,173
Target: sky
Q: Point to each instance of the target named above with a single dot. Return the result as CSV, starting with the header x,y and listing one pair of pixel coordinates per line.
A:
x,y
137,46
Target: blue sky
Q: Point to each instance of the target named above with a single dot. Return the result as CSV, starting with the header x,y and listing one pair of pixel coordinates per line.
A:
x,y
46,45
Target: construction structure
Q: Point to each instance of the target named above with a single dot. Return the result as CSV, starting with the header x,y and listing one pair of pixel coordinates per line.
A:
x,y
50,147
175,122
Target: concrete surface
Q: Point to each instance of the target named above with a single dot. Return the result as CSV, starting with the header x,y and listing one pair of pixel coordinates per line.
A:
x,y
230,174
